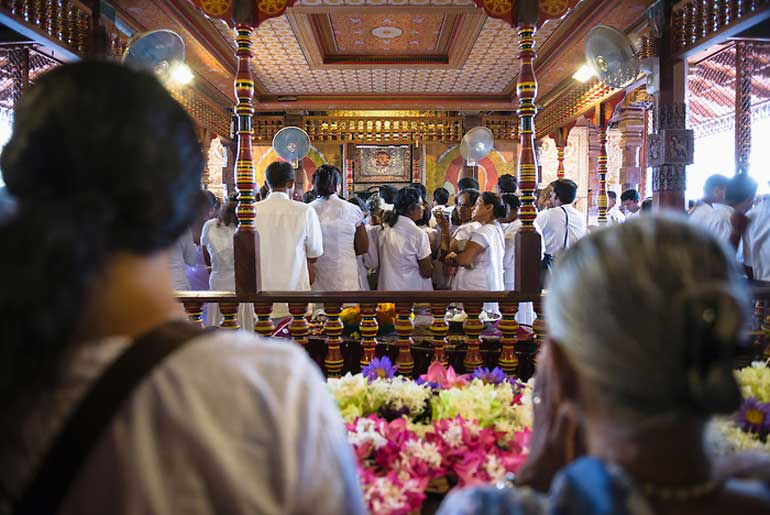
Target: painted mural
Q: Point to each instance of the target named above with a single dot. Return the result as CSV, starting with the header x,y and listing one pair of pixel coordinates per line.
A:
x,y
443,164
316,156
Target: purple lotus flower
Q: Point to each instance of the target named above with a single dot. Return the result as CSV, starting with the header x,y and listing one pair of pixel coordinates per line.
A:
x,y
379,368
422,381
496,376
754,417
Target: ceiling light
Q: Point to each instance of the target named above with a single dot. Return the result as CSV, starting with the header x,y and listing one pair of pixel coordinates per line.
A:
x,y
180,74
584,73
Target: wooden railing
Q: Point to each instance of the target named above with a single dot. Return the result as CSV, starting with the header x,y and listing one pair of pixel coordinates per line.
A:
x,y
339,349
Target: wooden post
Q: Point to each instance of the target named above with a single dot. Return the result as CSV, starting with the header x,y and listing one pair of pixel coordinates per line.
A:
x,y
509,327
246,239
404,329
439,328
527,239
368,329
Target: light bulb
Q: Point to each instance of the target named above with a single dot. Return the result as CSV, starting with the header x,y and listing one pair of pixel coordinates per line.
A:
x,y
180,74
584,73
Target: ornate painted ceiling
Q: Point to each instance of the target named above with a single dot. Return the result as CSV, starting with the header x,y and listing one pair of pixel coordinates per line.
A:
x,y
364,54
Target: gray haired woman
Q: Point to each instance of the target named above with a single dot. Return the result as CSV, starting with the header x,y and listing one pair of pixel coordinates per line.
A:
x,y
634,387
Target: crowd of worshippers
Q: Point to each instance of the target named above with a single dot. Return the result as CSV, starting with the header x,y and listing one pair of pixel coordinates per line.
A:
x,y
404,240
112,403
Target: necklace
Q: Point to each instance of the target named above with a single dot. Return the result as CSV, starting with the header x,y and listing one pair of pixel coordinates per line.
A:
x,y
680,493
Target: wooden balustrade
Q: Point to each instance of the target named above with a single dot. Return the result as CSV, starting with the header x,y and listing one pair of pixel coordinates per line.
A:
x,y
409,348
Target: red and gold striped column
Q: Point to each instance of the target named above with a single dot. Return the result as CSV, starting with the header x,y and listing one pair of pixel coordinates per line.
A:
x,y
601,170
509,327
404,328
439,328
472,328
526,91
333,362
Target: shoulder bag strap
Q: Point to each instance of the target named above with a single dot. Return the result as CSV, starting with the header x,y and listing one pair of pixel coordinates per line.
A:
x,y
566,227
95,411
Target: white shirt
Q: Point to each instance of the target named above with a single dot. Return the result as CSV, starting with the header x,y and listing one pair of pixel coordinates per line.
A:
x,y
718,221
509,258
463,233
486,273
218,240
551,224
289,234
615,215
232,423
337,268
182,253
701,211
756,241
433,223
400,248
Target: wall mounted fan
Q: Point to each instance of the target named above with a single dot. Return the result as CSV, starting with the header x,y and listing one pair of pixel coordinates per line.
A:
x,y
476,144
612,56
292,144
161,52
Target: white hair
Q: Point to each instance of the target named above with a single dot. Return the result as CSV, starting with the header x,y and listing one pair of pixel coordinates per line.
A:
x,y
649,313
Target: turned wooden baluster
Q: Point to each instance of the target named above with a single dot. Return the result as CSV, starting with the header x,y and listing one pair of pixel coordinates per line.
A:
x,y
439,328
194,312
264,325
404,329
299,327
333,327
368,329
229,312
538,326
472,328
509,327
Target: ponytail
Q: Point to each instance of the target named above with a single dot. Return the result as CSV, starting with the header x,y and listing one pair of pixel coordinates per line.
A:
x,y
326,179
498,208
405,200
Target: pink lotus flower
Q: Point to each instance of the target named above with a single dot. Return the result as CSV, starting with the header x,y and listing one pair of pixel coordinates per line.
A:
x,y
443,377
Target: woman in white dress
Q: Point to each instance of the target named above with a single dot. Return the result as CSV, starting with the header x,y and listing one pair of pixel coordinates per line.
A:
x,y
404,249
344,234
511,225
481,262
217,243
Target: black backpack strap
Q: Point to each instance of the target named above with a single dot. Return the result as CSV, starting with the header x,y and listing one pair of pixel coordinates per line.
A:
x,y
94,413
566,227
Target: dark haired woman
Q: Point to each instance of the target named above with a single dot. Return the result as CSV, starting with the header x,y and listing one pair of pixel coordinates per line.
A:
x,y
226,423
481,261
511,225
344,234
404,250
217,242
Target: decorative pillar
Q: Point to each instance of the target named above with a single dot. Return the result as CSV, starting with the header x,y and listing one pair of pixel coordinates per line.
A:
x,y
509,327
744,70
246,239
439,328
333,362
299,326
368,328
229,312
404,329
671,145
631,126
472,328
264,324
601,169
194,312
560,137
527,239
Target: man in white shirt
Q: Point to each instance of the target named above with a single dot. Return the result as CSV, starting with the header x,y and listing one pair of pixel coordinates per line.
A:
x,y
614,215
728,221
562,225
630,200
713,193
756,242
289,236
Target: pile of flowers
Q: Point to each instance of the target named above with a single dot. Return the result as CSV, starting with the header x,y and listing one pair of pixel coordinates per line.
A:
x,y
386,317
749,429
441,431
